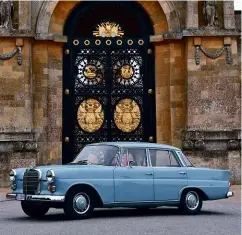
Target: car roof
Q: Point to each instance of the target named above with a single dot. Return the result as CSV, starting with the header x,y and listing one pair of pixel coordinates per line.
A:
x,y
137,145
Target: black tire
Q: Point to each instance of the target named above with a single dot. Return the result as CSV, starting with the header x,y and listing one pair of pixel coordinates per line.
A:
x,y
191,202
83,195
34,209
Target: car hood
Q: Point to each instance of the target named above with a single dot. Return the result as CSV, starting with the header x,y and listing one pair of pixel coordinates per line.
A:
x,y
63,171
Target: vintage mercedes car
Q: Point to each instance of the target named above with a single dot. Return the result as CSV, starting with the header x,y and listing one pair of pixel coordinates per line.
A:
x,y
120,174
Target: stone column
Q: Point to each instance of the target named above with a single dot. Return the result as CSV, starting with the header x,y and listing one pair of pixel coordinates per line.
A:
x,y
229,17
192,14
24,15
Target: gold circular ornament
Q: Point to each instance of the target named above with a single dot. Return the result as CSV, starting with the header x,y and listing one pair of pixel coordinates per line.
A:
x,y
127,71
151,138
76,42
67,51
127,115
67,139
97,42
90,71
150,91
86,42
108,42
141,42
90,115
119,42
67,91
130,42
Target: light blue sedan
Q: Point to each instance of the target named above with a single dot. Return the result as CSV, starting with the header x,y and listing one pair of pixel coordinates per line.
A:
x,y
120,174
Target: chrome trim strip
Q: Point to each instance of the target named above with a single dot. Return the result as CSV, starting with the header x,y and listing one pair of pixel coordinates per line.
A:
x,y
40,176
230,194
137,202
39,197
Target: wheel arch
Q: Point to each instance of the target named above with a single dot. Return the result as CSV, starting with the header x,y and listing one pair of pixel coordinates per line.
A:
x,y
83,186
198,190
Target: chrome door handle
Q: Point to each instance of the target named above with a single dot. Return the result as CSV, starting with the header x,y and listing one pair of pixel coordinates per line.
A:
x,y
149,173
182,173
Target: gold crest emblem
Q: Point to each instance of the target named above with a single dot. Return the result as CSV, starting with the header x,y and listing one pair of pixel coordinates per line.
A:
x,y
90,71
127,115
90,115
127,71
108,29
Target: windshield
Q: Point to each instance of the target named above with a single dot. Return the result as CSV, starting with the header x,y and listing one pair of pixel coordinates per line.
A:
x,y
98,155
185,159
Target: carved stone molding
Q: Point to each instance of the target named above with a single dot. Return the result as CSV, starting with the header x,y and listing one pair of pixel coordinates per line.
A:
x,y
31,146
18,142
18,146
12,54
211,140
233,145
200,145
187,145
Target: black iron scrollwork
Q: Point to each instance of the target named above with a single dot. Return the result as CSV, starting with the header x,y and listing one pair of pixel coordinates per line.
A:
x,y
213,55
12,54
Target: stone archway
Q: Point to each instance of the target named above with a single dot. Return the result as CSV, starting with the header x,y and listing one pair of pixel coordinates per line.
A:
x,y
48,7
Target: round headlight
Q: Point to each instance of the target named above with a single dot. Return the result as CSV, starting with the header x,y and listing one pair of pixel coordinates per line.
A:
x,y
50,176
12,175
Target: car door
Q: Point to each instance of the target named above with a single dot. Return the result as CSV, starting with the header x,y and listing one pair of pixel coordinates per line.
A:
x,y
169,175
133,180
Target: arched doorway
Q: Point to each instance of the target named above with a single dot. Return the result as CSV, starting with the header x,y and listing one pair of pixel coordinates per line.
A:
x,y
108,76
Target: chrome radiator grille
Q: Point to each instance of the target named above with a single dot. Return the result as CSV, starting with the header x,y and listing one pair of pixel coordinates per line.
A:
x,y
31,182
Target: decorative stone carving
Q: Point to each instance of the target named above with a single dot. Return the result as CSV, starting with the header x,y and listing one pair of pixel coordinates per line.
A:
x,y
31,146
187,145
213,55
12,54
233,145
210,13
6,14
200,145
18,146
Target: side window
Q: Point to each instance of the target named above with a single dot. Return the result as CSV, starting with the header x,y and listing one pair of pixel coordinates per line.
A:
x,y
137,156
159,158
163,158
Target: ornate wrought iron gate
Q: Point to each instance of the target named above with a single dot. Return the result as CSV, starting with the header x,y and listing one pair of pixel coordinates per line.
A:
x,y
108,90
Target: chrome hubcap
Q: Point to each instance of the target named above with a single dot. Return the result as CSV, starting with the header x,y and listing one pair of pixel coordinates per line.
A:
x,y
192,200
81,203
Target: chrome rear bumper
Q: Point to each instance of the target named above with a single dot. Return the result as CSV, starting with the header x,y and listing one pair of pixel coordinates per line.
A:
x,y
230,194
44,198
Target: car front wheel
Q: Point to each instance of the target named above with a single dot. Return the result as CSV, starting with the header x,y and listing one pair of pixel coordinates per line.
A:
x,y
191,202
34,209
79,204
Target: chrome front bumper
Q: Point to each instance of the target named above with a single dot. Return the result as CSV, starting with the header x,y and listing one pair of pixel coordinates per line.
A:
x,y
44,198
230,194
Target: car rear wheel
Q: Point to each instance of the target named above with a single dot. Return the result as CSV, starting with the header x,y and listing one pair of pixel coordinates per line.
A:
x,y
79,204
191,202
34,209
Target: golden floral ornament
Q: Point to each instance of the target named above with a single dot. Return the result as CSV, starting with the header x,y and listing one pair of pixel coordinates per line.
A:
x,y
90,115
127,71
108,29
90,71
127,115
